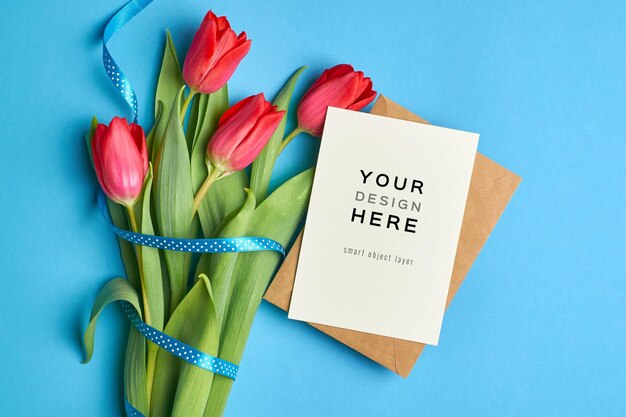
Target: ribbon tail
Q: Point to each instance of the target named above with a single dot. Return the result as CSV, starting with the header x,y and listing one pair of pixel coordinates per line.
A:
x,y
115,74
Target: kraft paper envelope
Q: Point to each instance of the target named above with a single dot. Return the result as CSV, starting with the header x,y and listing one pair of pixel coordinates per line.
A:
x,y
491,188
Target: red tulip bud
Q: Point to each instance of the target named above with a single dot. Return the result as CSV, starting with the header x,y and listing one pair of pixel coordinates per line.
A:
x,y
340,86
120,159
214,54
242,132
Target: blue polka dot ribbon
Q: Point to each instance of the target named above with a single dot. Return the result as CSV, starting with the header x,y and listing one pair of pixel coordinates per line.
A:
x,y
220,245
177,348
115,74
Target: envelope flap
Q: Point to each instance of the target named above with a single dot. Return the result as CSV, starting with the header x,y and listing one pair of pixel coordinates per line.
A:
x,y
386,107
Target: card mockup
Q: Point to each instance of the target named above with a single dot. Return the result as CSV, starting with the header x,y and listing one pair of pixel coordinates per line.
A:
x,y
383,225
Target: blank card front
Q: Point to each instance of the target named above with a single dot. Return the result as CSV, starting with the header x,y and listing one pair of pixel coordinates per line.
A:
x,y
383,225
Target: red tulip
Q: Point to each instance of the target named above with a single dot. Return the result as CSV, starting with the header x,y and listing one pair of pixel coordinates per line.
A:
x,y
340,86
214,54
242,132
120,159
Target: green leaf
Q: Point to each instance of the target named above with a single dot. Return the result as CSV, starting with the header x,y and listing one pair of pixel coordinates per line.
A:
x,y
157,122
205,264
129,258
278,218
135,371
89,137
170,77
170,82
156,138
182,389
263,166
154,314
193,121
153,280
118,217
221,266
174,200
117,289
224,196
210,109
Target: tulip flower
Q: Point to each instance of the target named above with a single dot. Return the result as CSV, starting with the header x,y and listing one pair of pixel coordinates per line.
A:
x,y
214,54
242,132
120,160
340,86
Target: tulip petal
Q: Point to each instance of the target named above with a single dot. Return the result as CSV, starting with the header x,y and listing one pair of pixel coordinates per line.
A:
x,y
121,163
237,123
257,138
334,72
224,68
200,51
225,41
234,109
139,136
211,24
339,92
222,23
366,96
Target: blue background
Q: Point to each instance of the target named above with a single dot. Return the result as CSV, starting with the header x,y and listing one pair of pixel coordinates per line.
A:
x,y
539,326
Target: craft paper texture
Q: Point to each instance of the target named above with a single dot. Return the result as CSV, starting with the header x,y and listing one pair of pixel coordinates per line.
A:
x,y
491,188
383,225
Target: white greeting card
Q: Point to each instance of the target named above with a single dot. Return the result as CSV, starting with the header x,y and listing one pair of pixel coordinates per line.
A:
x,y
383,225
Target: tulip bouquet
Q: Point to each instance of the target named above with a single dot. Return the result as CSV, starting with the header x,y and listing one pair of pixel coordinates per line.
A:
x,y
190,178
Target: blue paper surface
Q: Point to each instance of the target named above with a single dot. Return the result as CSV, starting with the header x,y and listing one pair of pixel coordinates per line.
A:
x,y
538,326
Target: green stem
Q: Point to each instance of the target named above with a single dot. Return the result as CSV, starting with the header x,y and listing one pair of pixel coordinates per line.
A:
x,y
133,225
289,138
210,179
186,104
152,348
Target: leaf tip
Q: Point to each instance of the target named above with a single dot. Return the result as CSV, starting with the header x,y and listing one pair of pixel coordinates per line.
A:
x,y
207,284
88,355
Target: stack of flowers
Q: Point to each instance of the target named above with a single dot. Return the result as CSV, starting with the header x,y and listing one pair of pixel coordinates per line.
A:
x,y
187,179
